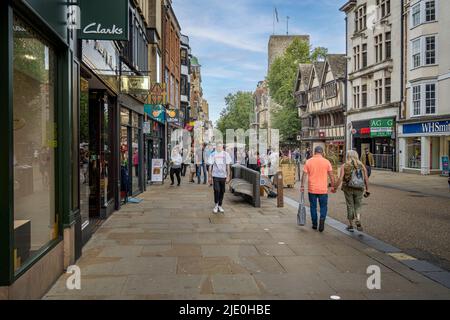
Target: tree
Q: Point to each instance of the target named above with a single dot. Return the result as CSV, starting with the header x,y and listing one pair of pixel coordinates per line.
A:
x,y
319,54
236,115
281,80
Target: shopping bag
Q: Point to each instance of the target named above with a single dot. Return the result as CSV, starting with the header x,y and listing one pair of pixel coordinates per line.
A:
x,y
301,216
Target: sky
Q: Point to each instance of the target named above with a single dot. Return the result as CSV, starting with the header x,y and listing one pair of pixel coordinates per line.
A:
x,y
230,38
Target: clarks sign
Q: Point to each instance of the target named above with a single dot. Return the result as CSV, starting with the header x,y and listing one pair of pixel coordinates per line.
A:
x,y
95,28
104,20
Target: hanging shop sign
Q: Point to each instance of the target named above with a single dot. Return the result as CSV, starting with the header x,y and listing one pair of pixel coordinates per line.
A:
x,y
381,128
104,20
138,85
173,116
434,127
157,170
158,94
156,112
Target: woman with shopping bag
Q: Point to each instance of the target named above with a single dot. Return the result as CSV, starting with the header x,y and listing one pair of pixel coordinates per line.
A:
x,y
355,185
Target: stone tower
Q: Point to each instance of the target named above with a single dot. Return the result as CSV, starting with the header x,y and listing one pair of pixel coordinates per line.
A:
x,y
279,44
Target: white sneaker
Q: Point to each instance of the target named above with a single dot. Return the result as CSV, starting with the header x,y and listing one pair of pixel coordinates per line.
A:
x,y
216,209
221,210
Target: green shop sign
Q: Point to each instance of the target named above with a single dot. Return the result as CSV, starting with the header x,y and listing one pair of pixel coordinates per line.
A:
x,y
104,20
381,127
156,112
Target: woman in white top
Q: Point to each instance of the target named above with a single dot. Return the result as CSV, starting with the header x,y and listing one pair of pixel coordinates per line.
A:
x,y
219,175
177,162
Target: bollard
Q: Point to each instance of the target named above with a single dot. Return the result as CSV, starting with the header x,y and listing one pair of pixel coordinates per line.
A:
x,y
280,189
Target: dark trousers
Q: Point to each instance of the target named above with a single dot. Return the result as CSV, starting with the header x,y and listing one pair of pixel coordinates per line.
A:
x,y
176,172
323,201
184,169
219,190
369,171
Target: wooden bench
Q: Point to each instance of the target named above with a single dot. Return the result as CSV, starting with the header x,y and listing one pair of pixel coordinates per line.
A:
x,y
246,182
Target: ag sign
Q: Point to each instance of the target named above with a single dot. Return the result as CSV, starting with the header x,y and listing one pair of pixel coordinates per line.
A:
x,y
104,20
381,127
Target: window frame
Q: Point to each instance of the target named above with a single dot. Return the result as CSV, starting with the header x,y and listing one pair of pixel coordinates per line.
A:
x,y
422,98
421,6
422,40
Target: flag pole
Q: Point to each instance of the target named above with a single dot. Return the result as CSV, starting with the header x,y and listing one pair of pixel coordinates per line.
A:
x,y
287,25
274,13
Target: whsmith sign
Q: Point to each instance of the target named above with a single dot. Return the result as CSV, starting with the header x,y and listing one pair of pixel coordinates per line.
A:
x,y
434,128
104,20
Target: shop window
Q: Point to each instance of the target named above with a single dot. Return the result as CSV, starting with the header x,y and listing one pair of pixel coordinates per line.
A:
x,y
35,142
414,153
435,150
124,116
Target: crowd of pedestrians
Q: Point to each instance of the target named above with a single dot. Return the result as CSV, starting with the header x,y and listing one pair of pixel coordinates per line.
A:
x,y
212,165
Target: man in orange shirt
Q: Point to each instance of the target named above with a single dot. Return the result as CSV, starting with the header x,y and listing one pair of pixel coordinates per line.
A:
x,y
318,170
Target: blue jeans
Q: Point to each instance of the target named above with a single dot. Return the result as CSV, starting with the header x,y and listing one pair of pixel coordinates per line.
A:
x,y
199,168
323,201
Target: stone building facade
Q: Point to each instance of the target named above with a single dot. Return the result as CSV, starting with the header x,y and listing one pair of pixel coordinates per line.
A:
x,y
424,130
374,81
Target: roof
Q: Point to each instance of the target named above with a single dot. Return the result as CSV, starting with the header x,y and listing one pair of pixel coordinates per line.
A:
x,y
348,6
338,65
303,75
318,67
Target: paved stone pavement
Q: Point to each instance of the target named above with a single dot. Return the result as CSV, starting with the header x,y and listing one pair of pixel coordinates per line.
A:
x,y
409,211
432,185
171,246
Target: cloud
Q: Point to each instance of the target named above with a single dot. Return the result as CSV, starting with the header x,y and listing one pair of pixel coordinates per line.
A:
x,y
230,38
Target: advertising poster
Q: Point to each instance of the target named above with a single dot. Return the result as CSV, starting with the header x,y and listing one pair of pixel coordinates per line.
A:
x,y
157,170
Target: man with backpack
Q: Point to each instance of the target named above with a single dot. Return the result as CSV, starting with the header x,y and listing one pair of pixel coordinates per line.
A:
x,y
318,170
355,181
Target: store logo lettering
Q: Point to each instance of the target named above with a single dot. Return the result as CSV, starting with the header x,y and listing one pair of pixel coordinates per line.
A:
x,y
435,127
99,30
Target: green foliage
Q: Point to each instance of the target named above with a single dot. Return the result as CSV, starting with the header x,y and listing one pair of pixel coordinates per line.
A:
x,y
236,115
281,80
287,122
319,54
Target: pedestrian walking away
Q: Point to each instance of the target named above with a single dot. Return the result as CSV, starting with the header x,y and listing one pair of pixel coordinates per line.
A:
x,y
200,165
175,169
355,185
219,175
318,170
368,161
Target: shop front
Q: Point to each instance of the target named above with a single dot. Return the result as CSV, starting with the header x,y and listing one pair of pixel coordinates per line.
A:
x,y
174,123
155,118
424,146
378,136
98,161
35,65
131,148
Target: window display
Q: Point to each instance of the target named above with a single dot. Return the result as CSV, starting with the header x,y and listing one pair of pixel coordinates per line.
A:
x,y
35,142
414,153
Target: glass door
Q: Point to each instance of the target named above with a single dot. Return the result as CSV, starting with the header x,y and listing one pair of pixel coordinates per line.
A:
x,y
84,153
